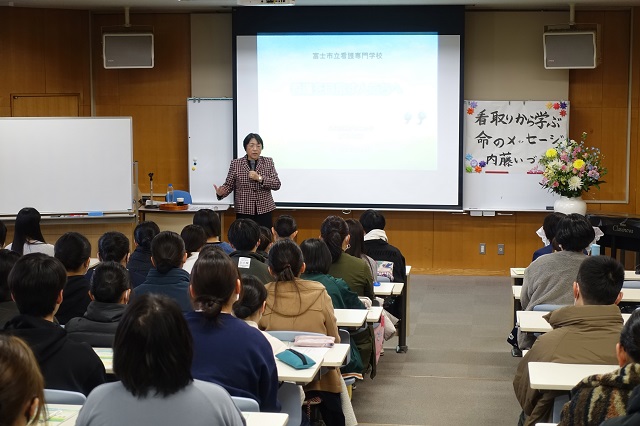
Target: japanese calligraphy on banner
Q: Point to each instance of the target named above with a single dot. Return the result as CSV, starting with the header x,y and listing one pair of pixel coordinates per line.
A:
x,y
510,136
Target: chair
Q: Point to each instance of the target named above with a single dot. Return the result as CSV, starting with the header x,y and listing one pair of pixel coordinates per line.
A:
x,y
289,397
247,404
177,193
558,403
57,396
631,284
382,279
345,337
547,307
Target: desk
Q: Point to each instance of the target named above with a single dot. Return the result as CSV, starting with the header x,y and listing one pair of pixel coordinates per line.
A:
x,y
333,356
631,276
67,415
533,321
374,313
517,275
351,318
557,376
175,220
106,356
388,289
299,377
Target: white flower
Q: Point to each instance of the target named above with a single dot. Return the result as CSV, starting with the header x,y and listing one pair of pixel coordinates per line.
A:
x,y
556,164
575,183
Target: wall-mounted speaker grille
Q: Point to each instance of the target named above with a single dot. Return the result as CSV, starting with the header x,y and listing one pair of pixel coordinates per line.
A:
x,y
127,50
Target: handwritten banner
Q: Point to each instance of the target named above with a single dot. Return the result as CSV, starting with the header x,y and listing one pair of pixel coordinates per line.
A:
x,y
510,136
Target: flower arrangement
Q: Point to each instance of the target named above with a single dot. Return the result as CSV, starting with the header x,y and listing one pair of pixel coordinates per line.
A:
x,y
571,168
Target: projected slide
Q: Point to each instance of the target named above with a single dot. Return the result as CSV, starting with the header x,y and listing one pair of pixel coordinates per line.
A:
x,y
347,95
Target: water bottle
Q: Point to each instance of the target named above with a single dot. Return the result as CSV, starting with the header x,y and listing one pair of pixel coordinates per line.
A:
x,y
170,198
595,250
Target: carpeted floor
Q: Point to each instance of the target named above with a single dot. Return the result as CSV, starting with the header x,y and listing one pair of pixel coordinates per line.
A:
x,y
458,370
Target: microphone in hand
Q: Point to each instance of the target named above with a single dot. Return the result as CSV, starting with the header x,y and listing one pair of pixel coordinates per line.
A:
x,y
252,165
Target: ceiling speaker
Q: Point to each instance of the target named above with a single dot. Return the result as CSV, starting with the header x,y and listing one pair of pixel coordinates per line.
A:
x,y
127,50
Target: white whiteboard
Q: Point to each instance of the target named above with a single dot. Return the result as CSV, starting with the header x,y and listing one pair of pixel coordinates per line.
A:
x,y
210,148
510,137
66,165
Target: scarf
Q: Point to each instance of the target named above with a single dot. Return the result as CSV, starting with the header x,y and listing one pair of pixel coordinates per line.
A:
x,y
376,234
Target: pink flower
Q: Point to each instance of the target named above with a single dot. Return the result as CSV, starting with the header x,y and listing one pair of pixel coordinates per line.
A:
x,y
555,184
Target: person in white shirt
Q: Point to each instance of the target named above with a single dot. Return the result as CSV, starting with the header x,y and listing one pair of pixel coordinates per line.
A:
x,y
27,236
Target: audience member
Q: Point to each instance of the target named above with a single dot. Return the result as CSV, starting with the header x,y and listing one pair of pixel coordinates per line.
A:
x,y
27,236
376,245
36,282
8,308
110,288
602,396
582,334
3,234
167,277
228,351
355,272
548,280
356,245
114,246
633,412
209,220
194,239
266,237
140,260
152,356
549,227
21,384
301,305
244,236
73,250
285,226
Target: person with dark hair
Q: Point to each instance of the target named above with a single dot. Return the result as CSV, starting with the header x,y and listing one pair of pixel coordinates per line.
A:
x,y
549,227
285,226
109,293
168,278
3,233
36,283
27,236
251,178
21,384
194,239
73,250
585,333
356,245
114,246
209,220
152,355
8,308
376,245
302,305
603,396
227,351
549,278
355,272
266,237
244,236
140,260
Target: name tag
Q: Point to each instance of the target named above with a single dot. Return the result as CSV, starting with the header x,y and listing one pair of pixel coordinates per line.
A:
x,y
244,262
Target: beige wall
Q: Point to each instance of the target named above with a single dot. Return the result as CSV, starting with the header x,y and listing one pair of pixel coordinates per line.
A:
x,y
211,68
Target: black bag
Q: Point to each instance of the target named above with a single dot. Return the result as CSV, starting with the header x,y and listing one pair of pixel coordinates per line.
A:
x,y
512,338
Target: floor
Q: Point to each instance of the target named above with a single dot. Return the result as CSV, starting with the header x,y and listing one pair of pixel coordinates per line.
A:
x,y
458,370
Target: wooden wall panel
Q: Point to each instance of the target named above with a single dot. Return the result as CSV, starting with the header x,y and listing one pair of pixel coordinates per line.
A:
x,y
526,239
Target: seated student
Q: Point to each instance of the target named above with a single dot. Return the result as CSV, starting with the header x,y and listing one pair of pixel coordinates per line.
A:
x,y
549,227
152,356
140,260
167,277
194,239
376,244
3,234
548,280
210,222
227,351
244,236
356,246
285,226
8,308
301,305
266,237
582,334
632,418
602,396
355,272
21,384
109,294
27,236
73,250
36,282
114,246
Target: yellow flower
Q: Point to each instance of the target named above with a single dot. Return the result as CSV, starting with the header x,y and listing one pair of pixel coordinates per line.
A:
x,y
551,153
578,164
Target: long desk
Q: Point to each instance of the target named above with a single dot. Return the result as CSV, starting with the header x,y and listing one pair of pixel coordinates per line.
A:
x,y
355,318
388,289
533,321
558,376
67,415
